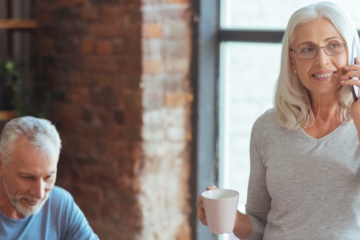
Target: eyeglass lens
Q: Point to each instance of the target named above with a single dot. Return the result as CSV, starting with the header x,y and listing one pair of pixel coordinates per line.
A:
x,y
309,51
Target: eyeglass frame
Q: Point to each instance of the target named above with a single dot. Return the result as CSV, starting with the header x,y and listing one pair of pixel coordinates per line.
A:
x,y
317,50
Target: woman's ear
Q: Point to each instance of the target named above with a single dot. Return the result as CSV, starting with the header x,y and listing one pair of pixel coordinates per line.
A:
x,y
292,63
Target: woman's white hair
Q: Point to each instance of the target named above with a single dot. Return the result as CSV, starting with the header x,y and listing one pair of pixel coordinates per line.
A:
x,y
38,132
292,100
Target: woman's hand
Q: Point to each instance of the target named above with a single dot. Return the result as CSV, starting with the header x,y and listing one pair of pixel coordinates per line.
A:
x,y
243,225
345,80
200,209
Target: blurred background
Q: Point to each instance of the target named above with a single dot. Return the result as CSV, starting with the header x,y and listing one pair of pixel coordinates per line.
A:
x,y
154,99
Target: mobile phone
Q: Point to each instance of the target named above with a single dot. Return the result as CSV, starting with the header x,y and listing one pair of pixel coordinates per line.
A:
x,y
354,89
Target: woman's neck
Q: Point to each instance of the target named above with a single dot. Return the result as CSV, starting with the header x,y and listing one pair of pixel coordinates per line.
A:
x,y
324,108
325,118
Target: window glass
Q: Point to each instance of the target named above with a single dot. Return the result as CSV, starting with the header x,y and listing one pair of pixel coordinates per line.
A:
x,y
248,75
265,14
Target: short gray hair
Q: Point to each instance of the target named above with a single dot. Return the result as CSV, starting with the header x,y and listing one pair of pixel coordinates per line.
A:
x,y
292,100
38,132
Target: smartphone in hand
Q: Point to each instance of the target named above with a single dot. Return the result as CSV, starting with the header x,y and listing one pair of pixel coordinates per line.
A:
x,y
354,89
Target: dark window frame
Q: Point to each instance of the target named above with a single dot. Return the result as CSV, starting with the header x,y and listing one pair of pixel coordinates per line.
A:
x,y
206,40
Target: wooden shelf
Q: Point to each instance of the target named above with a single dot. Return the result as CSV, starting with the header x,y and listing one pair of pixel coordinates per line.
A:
x,y
18,24
6,115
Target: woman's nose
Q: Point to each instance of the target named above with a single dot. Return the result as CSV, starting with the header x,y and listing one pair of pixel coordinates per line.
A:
x,y
322,58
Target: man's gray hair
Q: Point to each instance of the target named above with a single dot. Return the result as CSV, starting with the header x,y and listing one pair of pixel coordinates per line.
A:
x,y
38,132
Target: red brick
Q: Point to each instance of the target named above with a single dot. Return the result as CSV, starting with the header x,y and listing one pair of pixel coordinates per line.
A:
x,y
119,117
132,100
133,117
134,10
133,82
152,31
112,14
70,144
90,191
101,64
66,45
99,79
87,46
128,47
68,62
47,46
105,30
133,32
104,47
130,65
104,96
132,133
66,113
78,95
103,93
123,148
66,3
89,13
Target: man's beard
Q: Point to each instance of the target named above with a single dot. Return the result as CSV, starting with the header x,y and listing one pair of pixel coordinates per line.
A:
x,y
26,211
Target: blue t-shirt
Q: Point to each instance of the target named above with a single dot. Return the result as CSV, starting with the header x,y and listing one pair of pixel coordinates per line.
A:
x,y
59,219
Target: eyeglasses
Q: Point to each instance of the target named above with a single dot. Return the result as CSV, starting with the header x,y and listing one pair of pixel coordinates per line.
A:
x,y
310,51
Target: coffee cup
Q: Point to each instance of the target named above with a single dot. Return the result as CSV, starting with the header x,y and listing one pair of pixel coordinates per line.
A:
x,y
220,208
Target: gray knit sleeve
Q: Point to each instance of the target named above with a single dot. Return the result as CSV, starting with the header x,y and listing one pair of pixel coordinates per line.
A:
x,y
258,199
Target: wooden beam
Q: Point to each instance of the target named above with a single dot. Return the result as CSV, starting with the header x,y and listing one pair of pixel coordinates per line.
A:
x,y
18,24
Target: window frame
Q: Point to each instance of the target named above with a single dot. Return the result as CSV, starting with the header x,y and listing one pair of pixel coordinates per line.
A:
x,y
206,39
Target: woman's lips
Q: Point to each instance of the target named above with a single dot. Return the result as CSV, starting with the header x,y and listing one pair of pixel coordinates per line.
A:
x,y
324,76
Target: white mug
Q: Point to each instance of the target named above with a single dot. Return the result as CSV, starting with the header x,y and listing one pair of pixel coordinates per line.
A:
x,y
220,208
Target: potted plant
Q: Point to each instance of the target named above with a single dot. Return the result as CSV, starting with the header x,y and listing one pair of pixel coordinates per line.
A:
x,y
10,85
20,94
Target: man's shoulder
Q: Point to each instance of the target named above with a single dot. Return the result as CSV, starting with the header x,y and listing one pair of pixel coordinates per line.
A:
x,y
60,196
68,215
59,192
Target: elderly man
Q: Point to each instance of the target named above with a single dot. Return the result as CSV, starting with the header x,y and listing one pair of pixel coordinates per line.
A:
x,y
31,207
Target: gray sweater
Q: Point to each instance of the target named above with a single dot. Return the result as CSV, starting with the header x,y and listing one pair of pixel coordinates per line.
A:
x,y
301,187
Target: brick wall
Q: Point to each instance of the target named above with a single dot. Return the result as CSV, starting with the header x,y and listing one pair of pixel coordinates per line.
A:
x,y
166,102
119,77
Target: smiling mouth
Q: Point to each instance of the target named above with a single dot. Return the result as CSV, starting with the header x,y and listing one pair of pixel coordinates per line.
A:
x,y
324,75
31,203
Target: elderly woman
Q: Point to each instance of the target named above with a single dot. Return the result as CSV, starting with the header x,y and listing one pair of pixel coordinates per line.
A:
x,y
305,153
